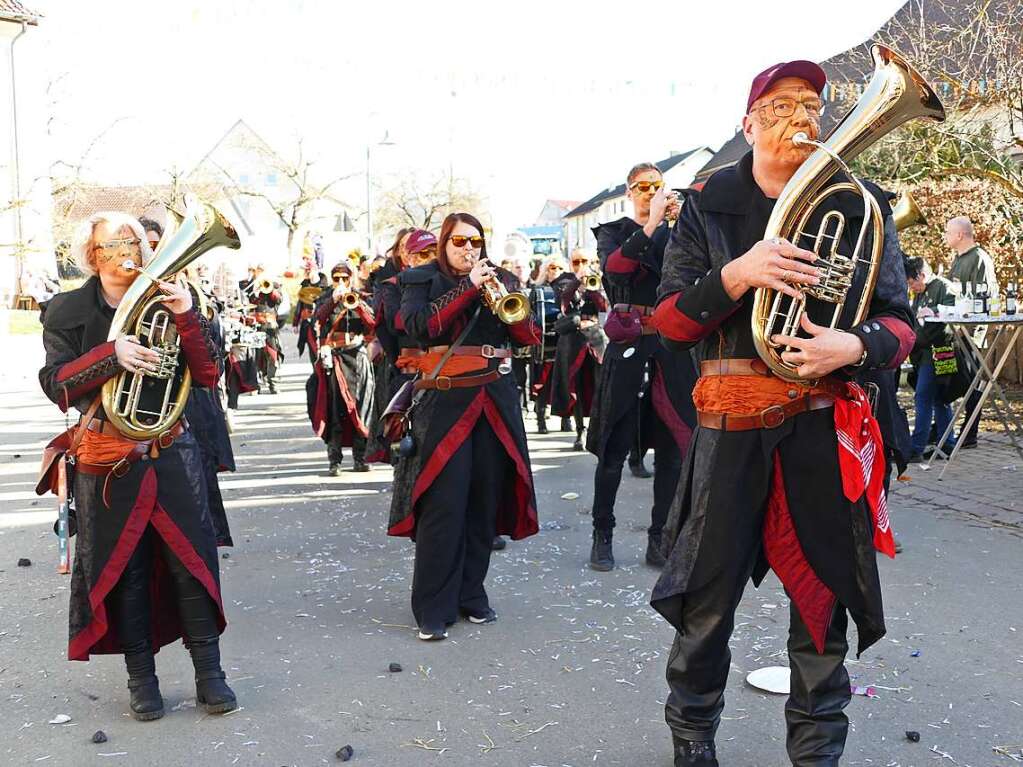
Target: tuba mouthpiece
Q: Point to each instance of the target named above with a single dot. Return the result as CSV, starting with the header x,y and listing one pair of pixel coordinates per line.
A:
x,y
800,138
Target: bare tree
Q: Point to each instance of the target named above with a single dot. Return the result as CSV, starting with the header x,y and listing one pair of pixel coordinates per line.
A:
x,y
299,203
972,53
424,201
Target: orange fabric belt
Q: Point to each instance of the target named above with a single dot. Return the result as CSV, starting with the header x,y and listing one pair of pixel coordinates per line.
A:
x,y
99,447
744,396
344,339
457,364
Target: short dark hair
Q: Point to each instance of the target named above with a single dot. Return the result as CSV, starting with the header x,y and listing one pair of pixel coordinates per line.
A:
x,y
148,225
914,267
642,167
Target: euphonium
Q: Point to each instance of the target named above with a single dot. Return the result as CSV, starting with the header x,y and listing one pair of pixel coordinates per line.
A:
x,y
144,404
896,93
906,213
508,307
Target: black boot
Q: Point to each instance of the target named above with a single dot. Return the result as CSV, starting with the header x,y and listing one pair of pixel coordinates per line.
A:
x,y
601,557
695,753
578,444
654,557
566,424
541,424
639,469
146,702
211,690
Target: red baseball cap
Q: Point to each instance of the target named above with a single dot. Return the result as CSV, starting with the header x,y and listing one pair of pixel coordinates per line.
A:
x,y
804,70
419,240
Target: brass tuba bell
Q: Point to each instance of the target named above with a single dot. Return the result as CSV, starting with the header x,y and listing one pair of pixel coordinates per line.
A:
x,y
906,213
144,404
896,93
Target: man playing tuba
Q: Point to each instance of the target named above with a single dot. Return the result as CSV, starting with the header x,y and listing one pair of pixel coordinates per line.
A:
x,y
146,570
767,482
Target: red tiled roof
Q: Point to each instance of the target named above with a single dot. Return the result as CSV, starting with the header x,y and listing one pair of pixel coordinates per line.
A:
x,y
12,10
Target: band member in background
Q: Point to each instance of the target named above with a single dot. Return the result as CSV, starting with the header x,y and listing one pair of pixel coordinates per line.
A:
x,y
520,354
644,392
412,247
122,600
310,291
382,350
265,295
580,344
775,477
466,474
206,417
203,409
547,309
340,390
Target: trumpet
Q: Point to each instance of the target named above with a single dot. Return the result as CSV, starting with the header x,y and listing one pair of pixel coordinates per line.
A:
x,y
350,299
591,281
508,307
261,287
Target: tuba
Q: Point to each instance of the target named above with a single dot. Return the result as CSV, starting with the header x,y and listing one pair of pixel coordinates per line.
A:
x,y
906,213
508,307
896,93
144,404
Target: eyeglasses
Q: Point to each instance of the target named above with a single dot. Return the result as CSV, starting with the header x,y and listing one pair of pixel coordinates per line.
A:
x,y
424,255
645,186
786,107
460,240
124,242
579,261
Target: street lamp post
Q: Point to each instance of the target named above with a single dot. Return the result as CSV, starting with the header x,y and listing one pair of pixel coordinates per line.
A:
x,y
385,141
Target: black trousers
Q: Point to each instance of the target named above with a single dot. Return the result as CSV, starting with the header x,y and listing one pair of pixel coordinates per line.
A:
x,y
816,725
335,451
455,524
130,607
608,476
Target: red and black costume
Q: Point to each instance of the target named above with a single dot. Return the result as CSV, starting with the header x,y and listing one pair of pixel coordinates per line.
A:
x,y
798,492
339,394
469,478
145,571
393,338
579,350
269,357
641,385
302,319
208,424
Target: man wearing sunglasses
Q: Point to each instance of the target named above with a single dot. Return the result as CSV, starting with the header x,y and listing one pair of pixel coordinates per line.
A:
x,y
769,484
643,390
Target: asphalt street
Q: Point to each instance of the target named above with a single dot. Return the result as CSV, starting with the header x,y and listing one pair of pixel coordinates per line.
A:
x,y
317,599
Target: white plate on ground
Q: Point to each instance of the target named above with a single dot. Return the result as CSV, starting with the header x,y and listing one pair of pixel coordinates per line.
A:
x,y
771,679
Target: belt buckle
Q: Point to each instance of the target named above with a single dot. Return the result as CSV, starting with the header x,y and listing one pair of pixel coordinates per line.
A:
x,y
120,468
488,351
772,417
443,383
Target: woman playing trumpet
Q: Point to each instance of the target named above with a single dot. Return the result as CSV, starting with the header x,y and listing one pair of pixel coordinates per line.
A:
x,y
146,569
340,390
466,474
